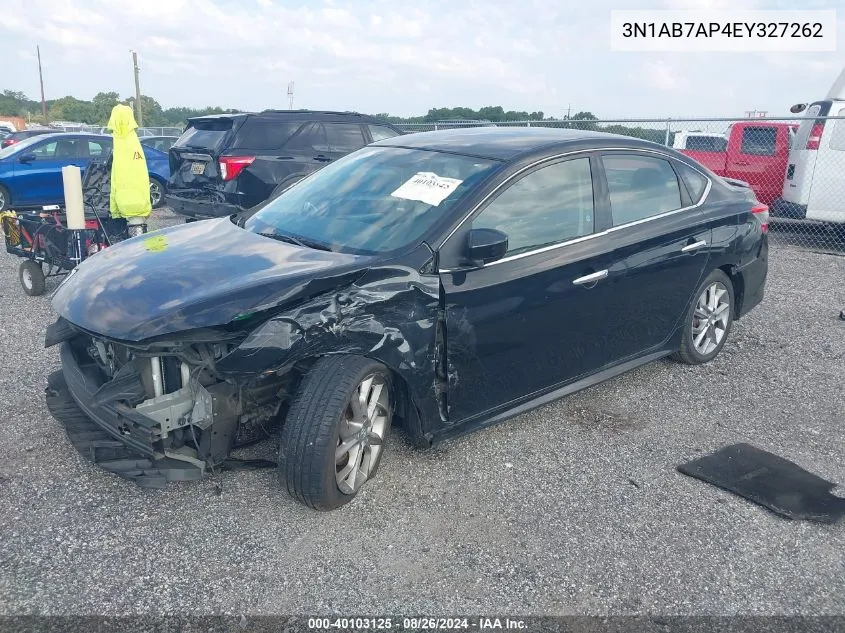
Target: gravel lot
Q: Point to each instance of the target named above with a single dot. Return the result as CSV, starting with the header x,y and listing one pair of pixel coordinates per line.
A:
x,y
574,508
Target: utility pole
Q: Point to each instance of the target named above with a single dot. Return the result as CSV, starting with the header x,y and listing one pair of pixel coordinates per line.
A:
x,y
568,110
138,112
290,96
41,80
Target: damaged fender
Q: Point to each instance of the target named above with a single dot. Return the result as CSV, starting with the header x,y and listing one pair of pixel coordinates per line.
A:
x,y
391,314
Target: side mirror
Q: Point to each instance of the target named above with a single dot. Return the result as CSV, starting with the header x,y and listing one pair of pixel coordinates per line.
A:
x,y
27,158
798,108
486,245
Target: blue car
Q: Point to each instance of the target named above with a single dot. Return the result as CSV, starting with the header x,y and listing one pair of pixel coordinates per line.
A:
x,y
31,171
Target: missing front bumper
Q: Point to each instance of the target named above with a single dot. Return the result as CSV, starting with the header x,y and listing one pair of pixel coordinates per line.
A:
x,y
96,441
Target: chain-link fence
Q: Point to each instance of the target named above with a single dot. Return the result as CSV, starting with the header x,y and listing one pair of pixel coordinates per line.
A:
x,y
795,165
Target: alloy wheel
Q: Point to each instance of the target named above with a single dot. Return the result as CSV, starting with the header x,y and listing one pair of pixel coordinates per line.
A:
x,y
155,193
711,318
362,432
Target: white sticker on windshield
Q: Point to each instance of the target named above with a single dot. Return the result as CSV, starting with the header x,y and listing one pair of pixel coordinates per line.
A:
x,y
427,187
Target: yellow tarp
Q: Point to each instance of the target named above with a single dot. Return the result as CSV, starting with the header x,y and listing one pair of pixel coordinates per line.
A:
x,y
130,180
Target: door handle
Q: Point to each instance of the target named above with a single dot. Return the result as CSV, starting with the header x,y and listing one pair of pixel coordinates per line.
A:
x,y
693,247
593,277
741,163
322,159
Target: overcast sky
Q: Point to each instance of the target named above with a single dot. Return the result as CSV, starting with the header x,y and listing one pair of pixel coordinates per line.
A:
x,y
396,56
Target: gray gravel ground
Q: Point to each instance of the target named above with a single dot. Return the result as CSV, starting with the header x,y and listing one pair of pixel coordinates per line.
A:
x,y
574,508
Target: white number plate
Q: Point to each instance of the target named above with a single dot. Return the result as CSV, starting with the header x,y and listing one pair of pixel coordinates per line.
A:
x,y
197,168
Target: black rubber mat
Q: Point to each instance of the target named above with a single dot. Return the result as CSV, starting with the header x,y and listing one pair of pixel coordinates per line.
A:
x,y
770,481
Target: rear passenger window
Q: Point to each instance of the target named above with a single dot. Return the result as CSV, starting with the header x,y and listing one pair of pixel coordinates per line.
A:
x,y
837,137
345,137
694,181
553,204
265,134
379,132
98,148
640,187
311,138
759,141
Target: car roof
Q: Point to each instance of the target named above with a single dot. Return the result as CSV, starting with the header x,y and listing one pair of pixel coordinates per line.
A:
x,y
296,115
71,135
507,143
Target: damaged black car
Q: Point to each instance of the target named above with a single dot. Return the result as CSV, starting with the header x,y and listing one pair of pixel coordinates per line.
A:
x,y
440,282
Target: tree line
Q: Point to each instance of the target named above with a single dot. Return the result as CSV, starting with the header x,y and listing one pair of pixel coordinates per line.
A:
x,y
97,111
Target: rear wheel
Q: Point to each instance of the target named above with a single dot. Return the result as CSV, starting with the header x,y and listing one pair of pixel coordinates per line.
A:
x,y
5,199
708,321
32,278
333,437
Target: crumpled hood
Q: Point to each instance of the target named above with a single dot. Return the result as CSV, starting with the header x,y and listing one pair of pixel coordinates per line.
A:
x,y
122,120
200,274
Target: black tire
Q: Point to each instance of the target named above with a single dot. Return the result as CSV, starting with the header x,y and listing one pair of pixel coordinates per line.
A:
x,y
163,189
309,439
32,278
688,353
5,200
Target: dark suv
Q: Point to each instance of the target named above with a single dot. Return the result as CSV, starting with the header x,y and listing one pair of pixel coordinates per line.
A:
x,y
225,163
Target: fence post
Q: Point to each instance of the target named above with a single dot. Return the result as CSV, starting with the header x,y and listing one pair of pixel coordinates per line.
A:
x,y
435,127
666,140
528,124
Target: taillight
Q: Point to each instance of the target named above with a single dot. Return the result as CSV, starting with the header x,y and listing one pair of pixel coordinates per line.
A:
x,y
815,136
9,141
231,166
761,212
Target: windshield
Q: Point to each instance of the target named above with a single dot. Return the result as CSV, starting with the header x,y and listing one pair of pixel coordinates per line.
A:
x,y
375,200
20,145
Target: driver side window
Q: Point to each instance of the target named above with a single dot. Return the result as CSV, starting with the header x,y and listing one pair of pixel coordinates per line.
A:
x,y
44,150
550,205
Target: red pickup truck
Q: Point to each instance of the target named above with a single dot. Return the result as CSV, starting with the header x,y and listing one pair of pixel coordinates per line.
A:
x,y
757,152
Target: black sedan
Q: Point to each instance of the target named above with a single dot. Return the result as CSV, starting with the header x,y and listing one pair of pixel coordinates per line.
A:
x,y
442,281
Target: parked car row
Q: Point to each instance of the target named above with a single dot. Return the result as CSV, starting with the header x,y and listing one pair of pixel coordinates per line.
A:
x,y
796,169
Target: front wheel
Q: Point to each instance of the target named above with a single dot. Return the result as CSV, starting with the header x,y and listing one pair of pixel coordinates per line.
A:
x,y
708,321
333,437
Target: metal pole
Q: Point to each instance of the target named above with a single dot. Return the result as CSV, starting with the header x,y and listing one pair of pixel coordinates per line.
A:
x,y
138,111
41,80
666,140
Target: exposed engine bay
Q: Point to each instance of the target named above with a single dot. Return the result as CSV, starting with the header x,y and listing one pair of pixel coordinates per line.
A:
x,y
195,415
